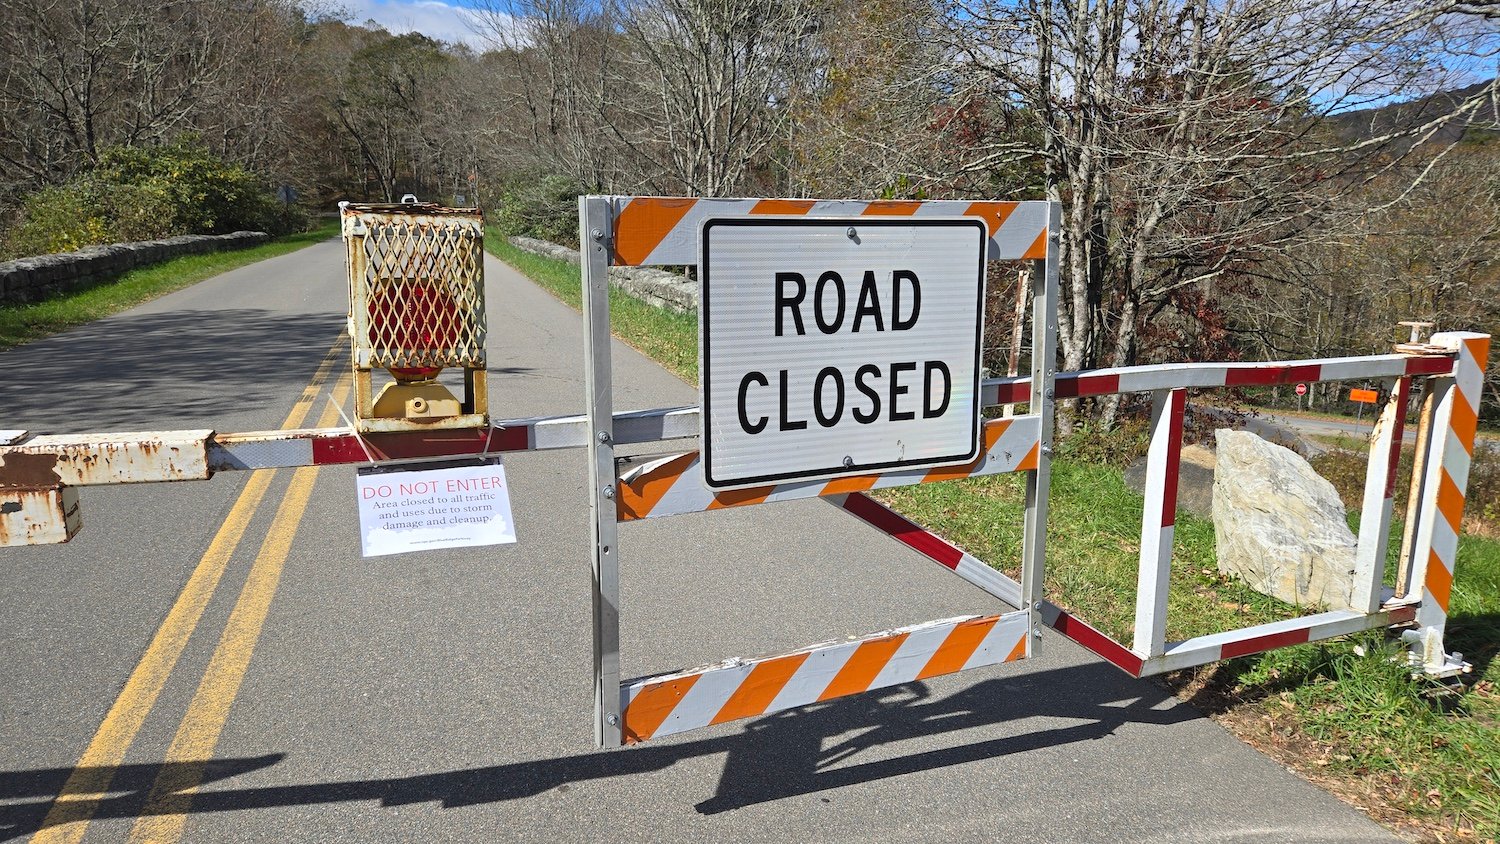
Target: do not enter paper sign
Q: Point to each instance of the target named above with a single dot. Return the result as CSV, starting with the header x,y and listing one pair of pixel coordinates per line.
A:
x,y
419,510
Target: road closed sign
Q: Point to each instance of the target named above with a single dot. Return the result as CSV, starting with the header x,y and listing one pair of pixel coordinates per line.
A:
x,y
836,347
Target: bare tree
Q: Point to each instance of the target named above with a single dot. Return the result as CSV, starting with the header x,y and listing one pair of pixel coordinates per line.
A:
x,y
712,84
669,95
1185,138
77,76
555,54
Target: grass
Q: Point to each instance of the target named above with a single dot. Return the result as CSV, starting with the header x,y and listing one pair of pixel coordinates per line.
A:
x,y
1345,712
1093,547
23,323
1354,720
668,338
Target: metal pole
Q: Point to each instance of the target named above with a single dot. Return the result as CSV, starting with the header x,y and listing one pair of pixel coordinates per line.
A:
x,y
1380,488
1158,522
596,231
1017,327
1044,284
1415,495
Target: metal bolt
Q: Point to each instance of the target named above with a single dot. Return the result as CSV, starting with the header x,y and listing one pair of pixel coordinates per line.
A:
x,y
596,234
608,492
1037,605
852,234
612,720
1046,451
1050,393
604,437
848,462
1036,632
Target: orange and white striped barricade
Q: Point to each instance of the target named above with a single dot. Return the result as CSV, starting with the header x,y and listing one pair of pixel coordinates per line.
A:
x,y
633,231
39,476
1437,511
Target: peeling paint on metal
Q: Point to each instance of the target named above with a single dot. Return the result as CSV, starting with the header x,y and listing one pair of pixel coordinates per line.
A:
x,y
19,470
96,459
38,516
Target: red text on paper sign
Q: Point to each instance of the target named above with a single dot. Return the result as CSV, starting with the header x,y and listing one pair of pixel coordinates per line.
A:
x,y
480,484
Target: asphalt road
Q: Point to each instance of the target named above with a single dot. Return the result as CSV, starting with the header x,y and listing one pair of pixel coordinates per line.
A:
x,y
1359,430
319,696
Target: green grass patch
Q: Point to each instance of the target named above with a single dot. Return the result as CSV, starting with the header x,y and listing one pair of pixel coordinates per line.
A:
x,y
668,338
1355,717
1093,547
1434,757
1347,442
22,323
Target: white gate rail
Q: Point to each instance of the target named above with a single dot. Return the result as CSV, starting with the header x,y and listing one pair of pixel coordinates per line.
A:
x,y
40,475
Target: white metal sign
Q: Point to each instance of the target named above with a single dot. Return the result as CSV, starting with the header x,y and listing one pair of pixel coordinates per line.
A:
x,y
838,346
456,506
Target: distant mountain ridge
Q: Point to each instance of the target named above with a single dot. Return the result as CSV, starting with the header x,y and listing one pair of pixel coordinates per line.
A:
x,y
1365,124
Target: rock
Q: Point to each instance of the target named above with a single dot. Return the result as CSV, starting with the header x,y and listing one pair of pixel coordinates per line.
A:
x,y
1195,480
656,287
1279,525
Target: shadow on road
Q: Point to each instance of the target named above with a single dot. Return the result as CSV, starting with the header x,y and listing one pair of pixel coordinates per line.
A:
x,y
803,751
173,369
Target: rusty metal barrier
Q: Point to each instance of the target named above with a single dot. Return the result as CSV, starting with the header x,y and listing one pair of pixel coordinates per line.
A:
x,y
40,475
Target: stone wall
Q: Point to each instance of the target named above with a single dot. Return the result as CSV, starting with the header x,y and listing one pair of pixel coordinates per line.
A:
x,y
660,288
33,279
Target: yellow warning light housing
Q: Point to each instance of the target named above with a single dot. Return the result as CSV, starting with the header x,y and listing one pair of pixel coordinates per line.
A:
x,y
416,307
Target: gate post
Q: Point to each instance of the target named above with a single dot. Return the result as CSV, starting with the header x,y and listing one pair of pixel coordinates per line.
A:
x,y
1044,291
1380,490
1159,522
596,233
1452,430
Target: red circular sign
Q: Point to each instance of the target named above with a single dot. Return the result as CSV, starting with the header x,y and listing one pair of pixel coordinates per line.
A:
x,y
1301,389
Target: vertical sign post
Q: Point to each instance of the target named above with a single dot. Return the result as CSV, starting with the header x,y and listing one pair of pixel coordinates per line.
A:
x,y
1044,281
596,224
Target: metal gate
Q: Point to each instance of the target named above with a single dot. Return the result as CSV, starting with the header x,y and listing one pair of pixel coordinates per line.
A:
x,y
40,475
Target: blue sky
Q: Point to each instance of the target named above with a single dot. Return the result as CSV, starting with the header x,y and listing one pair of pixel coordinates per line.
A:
x,y
433,18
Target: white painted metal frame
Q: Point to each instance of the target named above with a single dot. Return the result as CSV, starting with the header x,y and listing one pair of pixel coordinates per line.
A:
x,y
43,472
1448,453
1044,292
596,225
598,217
1158,521
1455,363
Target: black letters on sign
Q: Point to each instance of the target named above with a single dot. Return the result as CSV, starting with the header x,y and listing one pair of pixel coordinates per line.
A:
x,y
786,423
897,323
861,382
751,377
784,302
928,410
838,288
869,304
828,420
831,386
898,389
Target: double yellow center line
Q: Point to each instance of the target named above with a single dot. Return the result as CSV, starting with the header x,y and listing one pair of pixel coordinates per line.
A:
x,y
171,796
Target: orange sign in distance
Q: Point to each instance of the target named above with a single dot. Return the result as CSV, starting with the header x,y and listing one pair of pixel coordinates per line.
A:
x,y
1364,396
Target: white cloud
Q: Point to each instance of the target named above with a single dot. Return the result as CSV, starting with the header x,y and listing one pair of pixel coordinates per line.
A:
x,y
432,18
